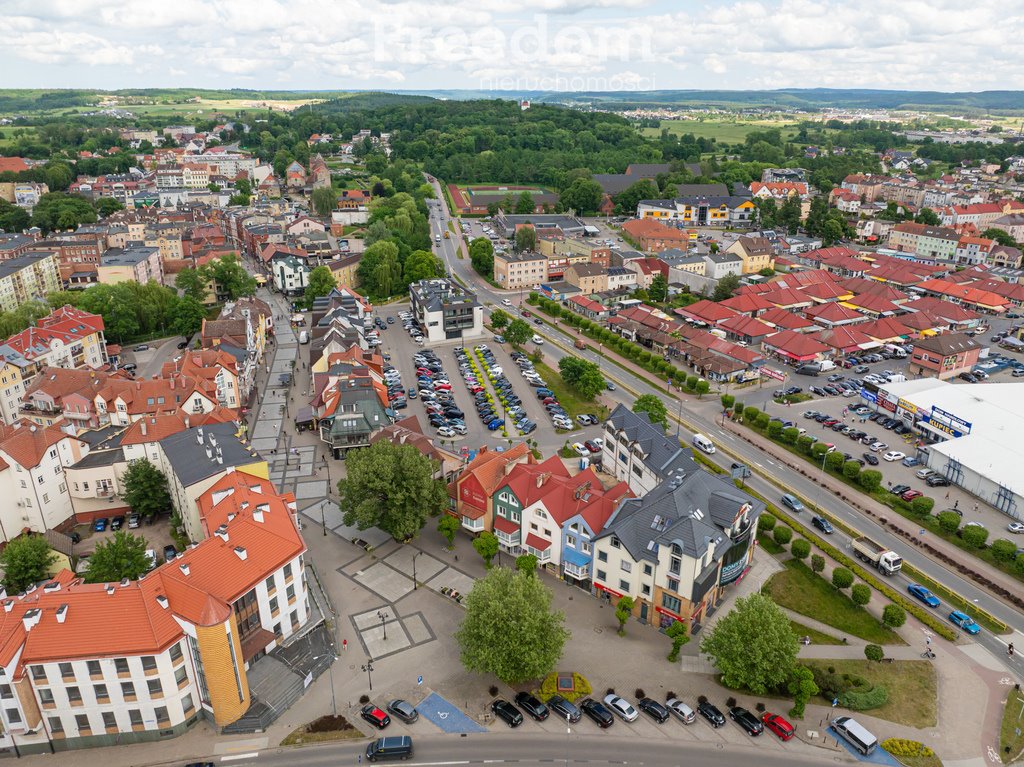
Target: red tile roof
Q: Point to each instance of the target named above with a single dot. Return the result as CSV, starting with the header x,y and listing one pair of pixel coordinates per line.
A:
x,y
706,311
967,294
832,313
844,339
747,304
796,344
784,320
746,326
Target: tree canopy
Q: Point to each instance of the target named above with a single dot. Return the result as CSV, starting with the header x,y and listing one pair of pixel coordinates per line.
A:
x,y
481,255
145,488
518,332
319,283
654,407
510,629
526,238
123,556
25,560
585,377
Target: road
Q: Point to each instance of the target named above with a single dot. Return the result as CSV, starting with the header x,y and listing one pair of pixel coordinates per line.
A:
x,y
440,751
561,344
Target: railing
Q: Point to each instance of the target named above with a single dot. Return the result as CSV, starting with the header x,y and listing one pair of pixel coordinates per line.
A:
x,y
104,492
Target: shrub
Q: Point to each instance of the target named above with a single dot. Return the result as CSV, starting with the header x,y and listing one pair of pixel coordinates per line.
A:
x,y
949,521
750,413
639,693
766,522
800,549
870,480
857,700
874,652
727,401
760,708
974,536
860,594
782,535
691,382
702,698
894,616
907,748
730,702
817,563
1003,550
330,724
790,435
922,506
492,690
774,429
762,420
803,444
818,449
364,698
851,470
842,578
835,460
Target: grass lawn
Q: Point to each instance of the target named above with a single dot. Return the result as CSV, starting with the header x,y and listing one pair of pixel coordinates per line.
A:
x,y
800,589
1013,722
817,637
768,543
911,685
568,398
727,131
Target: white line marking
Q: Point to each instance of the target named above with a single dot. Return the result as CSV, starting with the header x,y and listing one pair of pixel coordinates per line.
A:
x,y
234,757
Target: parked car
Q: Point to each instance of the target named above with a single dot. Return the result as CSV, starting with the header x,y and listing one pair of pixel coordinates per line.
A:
x,y
532,706
621,707
563,708
653,709
871,458
710,712
506,712
141,348
598,712
909,495
100,524
750,723
792,502
170,552
894,455
778,725
937,480
1015,527
964,621
920,592
403,709
374,716
683,712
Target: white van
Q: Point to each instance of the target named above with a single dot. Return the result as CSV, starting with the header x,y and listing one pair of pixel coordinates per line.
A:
x,y
854,733
303,337
703,444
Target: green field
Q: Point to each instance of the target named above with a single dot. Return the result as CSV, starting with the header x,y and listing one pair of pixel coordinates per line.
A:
x,y
724,131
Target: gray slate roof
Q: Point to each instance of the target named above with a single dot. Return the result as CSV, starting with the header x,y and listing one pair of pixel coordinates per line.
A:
x,y
187,455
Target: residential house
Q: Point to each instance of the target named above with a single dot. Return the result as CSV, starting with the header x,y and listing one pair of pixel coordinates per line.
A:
x,y
639,453
473,491
589,278
135,263
718,265
756,253
518,271
653,236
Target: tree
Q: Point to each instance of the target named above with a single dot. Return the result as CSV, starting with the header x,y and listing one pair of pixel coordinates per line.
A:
x,y
782,535
974,536
391,487
319,283
56,210
860,594
874,652
518,332
526,238
1003,550
949,521
922,505
817,563
524,203
753,646
499,601
870,480
499,319
893,616
703,387
658,291
481,255
25,560
842,578
12,218
583,196
231,277
727,401
379,270
486,545
654,407
107,205
1000,236
679,635
145,488
123,556
448,526
422,265
324,201
585,377
189,314
527,563
626,201
802,687
726,287
927,216
623,609
800,548
193,282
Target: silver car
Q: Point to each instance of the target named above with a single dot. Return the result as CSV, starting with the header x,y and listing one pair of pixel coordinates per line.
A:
x,y
621,707
681,710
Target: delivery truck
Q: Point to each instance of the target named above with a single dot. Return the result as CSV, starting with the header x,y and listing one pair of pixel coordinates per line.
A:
x,y
886,561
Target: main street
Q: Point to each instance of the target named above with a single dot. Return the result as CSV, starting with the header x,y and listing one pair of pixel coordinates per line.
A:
x,y
690,420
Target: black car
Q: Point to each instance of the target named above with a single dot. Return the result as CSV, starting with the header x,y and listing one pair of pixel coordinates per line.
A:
x,y
532,706
710,712
453,412
746,720
871,458
937,480
374,716
822,524
508,713
653,709
117,522
899,489
822,417
602,716
170,552
563,708
404,710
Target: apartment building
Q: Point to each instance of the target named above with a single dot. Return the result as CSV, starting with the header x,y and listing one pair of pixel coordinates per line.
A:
x,y
446,311
135,263
638,452
188,633
28,277
700,210
520,271
934,242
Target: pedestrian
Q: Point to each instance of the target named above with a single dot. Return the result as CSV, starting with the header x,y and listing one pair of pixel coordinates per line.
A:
x,y
344,644
975,508
956,505
947,495
1009,650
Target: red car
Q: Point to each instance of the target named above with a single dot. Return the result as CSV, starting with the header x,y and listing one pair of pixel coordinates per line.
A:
x,y
375,716
778,725
830,423
909,495
592,446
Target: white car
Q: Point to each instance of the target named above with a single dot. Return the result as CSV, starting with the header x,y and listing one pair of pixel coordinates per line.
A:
x,y
1015,527
598,441
580,448
446,431
537,339
506,302
878,447
621,707
894,455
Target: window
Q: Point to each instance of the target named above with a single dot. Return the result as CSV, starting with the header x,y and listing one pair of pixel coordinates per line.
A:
x,y
74,694
155,688
6,691
647,569
46,696
570,540
82,722
673,585
624,586
675,565
585,547
94,668
671,603
56,725
67,671
161,715
186,703
627,567
176,653
135,717
646,589
109,720
270,583
101,691
615,542
180,675
46,497
602,556
290,593
121,665
128,690
148,663
40,479
273,605
288,570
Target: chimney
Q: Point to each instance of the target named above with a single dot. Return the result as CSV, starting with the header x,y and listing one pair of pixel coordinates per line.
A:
x,y
242,553
209,452
162,601
222,533
213,440
199,435
186,426
184,568
62,613
143,427
220,458
542,478
31,618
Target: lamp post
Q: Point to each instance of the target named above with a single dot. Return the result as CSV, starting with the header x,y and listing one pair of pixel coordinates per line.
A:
x,y
383,618
330,671
368,668
415,583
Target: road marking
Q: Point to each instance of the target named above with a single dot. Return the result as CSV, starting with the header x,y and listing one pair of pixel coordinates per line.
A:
x,y
235,757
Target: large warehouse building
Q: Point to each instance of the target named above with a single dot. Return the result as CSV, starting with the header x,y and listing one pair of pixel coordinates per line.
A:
x,y
971,434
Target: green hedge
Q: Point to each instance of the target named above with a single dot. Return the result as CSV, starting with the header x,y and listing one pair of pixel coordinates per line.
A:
x,y
858,700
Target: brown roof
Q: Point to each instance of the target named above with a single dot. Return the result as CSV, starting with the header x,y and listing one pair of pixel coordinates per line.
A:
x,y
27,444
947,344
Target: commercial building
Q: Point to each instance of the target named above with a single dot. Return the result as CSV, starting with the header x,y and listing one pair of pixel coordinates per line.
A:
x,y
701,210
944,356
446,311
971,434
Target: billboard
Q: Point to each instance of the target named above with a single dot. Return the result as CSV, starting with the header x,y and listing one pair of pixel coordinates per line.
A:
x,y
769,373
958,424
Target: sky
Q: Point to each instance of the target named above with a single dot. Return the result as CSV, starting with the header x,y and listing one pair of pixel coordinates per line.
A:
x,y
567,45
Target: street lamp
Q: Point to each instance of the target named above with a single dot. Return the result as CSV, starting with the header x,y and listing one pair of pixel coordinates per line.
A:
x,y
368,668
383,618
330,671
415,583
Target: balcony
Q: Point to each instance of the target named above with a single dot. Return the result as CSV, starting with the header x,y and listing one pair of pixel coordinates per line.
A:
x,y
105,492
